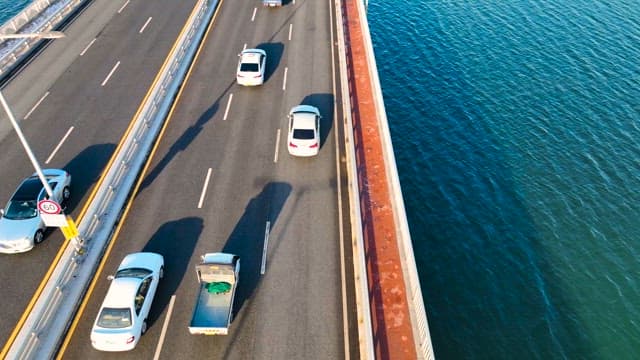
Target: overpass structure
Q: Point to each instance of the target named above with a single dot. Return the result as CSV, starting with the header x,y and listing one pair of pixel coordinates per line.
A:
x,y
390,322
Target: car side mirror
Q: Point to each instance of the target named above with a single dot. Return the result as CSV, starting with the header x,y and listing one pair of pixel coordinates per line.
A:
x,y
110,277
1,212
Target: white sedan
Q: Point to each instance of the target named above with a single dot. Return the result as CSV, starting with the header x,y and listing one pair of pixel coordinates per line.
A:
x,y
122,318
304,131
251,67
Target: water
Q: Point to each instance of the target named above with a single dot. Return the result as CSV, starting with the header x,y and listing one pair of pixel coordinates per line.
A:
x,y
10,8
516,129
517,135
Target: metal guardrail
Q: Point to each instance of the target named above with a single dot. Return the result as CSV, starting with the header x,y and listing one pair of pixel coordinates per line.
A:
x,y
41,15
43,329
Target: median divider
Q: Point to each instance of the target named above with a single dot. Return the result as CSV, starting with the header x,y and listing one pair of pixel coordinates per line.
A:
x,y
40,334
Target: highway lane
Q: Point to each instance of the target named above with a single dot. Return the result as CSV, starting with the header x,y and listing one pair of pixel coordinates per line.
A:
x,y
79,103
293,310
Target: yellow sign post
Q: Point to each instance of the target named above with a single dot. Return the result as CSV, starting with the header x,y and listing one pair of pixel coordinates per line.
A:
x,y
71,230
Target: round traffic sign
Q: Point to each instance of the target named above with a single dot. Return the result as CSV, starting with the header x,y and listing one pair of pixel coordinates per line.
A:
x,y
49,207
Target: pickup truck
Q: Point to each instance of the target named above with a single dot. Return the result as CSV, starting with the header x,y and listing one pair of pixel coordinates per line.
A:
x,y
271,3
218,278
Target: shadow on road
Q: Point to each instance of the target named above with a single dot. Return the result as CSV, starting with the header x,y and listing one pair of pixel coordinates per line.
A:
x,y
247,238
176,241
274,52
183,142
85,170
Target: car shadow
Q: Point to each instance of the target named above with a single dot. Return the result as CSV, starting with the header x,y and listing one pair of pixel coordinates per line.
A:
x,y
176,241
85,169
324,103
274,52
247,238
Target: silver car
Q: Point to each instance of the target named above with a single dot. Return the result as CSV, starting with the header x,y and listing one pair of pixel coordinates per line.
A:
x,y
20,225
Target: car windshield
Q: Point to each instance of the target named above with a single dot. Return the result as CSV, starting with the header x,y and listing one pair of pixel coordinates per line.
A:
x,y
114,318
303,134
139,273
21,209
249,67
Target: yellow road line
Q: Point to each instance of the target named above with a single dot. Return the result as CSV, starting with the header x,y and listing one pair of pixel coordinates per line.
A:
x,y
83,305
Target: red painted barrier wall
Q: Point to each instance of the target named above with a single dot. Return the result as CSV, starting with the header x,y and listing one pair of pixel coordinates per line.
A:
x,y
391,322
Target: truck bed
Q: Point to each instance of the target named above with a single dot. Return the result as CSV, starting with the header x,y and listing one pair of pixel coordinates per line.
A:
x,y
272,2
212,313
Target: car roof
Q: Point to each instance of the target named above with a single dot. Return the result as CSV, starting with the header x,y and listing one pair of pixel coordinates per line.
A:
x,y
252,55
122,292
144,260
304,120
29,189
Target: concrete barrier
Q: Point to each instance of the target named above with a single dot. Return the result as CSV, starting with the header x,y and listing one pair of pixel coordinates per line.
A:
x,y
399,328
40,334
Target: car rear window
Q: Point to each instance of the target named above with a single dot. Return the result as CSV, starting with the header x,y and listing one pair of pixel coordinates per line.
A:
x,y
303,134
249,67
114,318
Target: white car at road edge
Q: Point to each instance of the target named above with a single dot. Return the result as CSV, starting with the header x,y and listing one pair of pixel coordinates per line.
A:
x,y
122,318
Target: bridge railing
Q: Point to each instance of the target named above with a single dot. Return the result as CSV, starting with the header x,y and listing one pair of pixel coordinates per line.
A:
x,y
415,300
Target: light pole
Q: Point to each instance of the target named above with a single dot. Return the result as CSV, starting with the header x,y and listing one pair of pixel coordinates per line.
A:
x,y
7,109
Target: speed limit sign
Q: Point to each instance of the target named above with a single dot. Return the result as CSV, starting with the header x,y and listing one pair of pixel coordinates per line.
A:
x,y
49,207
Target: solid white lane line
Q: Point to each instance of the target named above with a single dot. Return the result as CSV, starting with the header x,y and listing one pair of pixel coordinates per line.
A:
x,y
123,6
165,326
204,188
275,157
226,111
88,46
64,138
284,81
244,47
110,73
290,30
36,105
145,25
253,17
264,248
